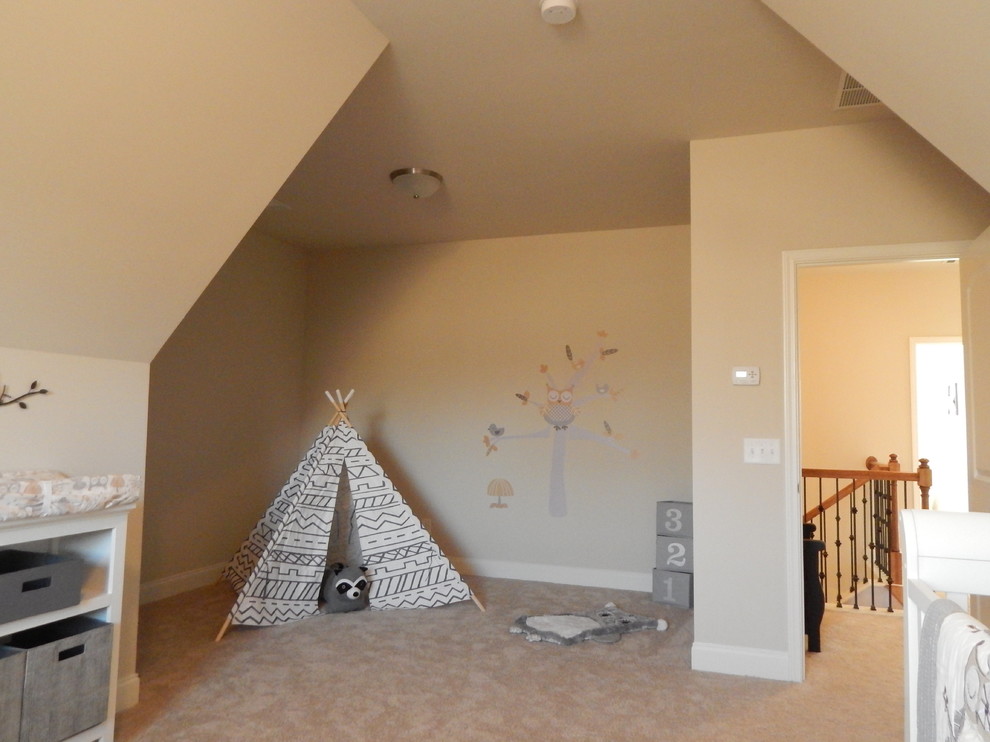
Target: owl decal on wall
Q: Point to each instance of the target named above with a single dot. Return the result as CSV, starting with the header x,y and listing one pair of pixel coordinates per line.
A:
x,y
559,410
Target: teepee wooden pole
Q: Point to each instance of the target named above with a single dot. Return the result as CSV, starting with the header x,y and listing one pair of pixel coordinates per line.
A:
x,y
223,629
340,405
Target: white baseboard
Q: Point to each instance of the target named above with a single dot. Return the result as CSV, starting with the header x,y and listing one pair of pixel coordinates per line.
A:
x,y
196,578
128,690
730,660
180,583
556,574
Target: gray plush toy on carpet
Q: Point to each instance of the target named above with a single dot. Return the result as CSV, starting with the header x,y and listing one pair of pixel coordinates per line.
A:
x,y
605,626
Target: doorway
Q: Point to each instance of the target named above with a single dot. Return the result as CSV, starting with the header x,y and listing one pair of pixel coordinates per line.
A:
x,y
792,460
862,388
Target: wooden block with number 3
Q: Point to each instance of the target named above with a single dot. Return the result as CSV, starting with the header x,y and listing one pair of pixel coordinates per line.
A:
x,y
675,519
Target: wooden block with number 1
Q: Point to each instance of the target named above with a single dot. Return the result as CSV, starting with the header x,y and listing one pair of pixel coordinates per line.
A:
x,y
673,588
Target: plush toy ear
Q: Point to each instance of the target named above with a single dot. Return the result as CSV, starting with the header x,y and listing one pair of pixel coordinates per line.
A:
x,y
336,568
364,569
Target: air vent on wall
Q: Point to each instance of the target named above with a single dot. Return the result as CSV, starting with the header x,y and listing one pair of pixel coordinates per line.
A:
x,y
852,93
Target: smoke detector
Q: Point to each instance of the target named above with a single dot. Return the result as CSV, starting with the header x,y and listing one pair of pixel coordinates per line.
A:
x,y
557,12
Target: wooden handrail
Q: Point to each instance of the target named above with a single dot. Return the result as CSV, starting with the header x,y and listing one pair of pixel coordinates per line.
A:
x,y
865,474
889,472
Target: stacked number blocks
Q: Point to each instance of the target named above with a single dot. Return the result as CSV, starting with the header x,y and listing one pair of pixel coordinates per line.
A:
x,y
673,578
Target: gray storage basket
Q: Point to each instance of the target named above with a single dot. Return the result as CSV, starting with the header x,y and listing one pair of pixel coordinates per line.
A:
x,y
11,688
32,583
66,677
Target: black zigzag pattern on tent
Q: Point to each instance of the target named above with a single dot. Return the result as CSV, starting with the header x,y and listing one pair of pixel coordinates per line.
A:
x,y
436,595
409,568
406,552
270,612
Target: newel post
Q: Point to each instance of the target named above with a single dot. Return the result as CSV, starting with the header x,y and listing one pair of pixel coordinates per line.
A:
x,y
924,481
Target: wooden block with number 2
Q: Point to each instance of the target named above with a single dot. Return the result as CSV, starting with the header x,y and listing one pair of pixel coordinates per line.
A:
x,y
675,554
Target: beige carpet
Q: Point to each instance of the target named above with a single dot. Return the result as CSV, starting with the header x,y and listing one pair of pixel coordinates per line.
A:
x,y
455,673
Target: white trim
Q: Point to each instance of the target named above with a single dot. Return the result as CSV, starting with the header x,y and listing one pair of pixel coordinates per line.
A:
x,y
180,583
756,663
128,690
876,253
793,504
584,576
792,260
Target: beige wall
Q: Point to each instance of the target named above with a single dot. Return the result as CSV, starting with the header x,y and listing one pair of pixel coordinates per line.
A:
x,y
67,429
224,414
438,339
752,199
855,327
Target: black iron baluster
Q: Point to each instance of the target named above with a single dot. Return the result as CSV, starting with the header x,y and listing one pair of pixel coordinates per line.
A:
x,y
838,553
875,554
864,555
854,584
822,528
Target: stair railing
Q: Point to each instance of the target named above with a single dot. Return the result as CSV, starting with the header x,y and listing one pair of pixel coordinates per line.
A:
x,y
862,507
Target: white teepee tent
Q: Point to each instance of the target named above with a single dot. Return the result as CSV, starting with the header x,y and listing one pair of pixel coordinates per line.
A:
x,y
278,570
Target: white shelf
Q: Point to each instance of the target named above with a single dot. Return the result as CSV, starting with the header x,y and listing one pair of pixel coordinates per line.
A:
x,y
98,538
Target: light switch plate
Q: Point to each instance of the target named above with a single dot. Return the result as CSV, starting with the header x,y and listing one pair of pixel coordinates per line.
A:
x,y
761,450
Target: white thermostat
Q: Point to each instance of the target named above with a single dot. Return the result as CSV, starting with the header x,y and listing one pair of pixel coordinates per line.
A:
x,y
746,375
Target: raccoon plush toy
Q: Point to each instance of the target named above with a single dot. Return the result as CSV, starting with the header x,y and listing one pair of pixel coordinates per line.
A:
x,y
344,588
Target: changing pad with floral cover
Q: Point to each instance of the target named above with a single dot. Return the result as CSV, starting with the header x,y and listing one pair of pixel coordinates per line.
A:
x,y
36,494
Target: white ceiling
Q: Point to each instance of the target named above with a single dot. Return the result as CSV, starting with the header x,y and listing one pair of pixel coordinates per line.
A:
x,y
547,129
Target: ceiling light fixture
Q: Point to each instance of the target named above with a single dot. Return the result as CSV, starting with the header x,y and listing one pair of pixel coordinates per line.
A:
x,y
417,182
557,12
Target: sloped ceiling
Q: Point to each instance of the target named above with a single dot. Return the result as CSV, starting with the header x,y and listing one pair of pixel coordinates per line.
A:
x,y
140,142
928,61
540,128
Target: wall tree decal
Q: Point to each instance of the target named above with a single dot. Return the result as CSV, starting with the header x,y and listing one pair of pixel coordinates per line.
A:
x,y
8,399
559,411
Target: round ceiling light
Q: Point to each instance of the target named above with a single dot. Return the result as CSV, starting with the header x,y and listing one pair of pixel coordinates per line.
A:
x,y
558,11
417,182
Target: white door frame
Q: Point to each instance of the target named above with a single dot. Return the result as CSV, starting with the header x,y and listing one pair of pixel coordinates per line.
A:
x,y
792,260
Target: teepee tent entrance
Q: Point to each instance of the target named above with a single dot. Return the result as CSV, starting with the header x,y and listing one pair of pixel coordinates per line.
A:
x,y
278,570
